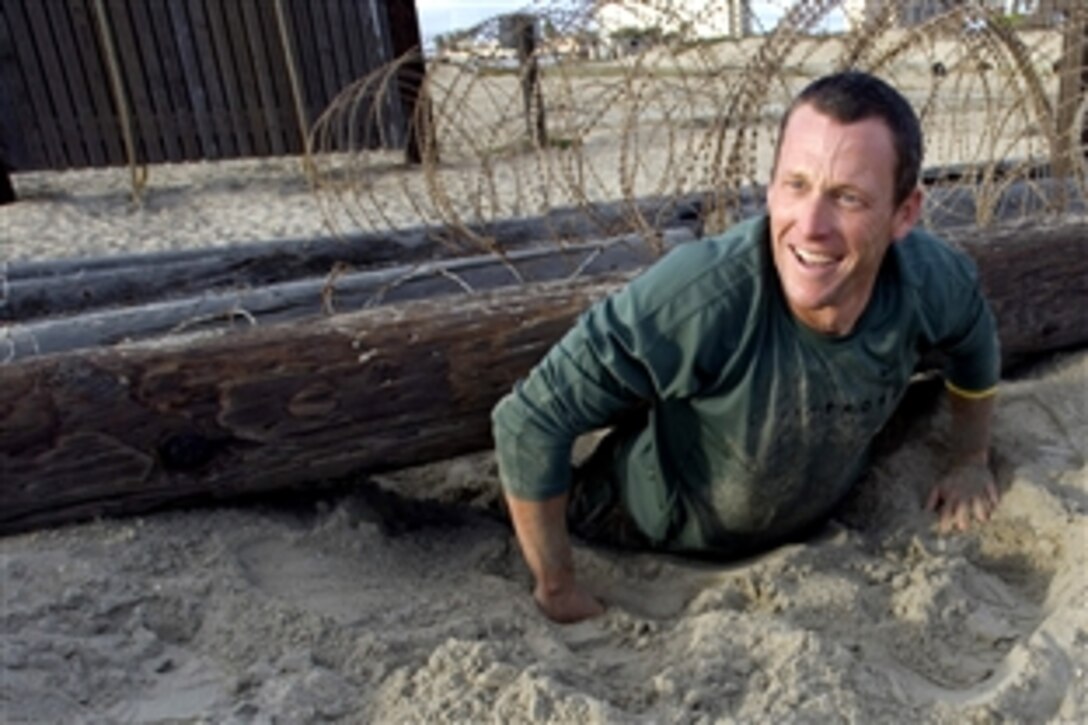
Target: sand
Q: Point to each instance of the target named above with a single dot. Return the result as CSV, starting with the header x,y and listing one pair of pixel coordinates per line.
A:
x,y
364,607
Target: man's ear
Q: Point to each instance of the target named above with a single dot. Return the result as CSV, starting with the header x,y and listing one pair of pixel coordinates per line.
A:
x,y
908,214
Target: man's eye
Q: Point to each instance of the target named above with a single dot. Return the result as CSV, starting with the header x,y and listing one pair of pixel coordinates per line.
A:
x,y
795,184
849,198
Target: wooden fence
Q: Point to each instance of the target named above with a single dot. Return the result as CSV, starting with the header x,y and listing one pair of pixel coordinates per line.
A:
x,y
93,82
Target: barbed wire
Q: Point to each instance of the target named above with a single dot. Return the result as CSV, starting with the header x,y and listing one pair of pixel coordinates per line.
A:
x,y
666,109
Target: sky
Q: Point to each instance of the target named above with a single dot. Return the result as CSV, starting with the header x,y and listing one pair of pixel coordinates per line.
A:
x,y
441,16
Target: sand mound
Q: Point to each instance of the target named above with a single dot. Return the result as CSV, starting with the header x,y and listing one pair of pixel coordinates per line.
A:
x,y
368,608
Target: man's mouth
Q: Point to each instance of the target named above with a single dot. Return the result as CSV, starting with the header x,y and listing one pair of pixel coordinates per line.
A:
x,y
813,259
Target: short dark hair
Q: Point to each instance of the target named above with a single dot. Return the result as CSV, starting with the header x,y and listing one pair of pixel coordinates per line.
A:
x,y
853,96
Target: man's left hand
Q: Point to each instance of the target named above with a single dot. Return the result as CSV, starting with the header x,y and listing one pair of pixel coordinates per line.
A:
x,y
967,491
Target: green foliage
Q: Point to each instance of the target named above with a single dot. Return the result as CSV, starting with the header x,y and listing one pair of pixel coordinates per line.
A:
x,y
1011,21
647,36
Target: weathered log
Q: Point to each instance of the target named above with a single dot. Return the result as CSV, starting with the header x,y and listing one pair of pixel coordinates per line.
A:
x,y
36,289
66,286
313,297
129,428
1036,279
135,427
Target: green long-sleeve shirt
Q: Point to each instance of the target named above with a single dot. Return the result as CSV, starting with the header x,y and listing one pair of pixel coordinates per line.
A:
x,y
756,425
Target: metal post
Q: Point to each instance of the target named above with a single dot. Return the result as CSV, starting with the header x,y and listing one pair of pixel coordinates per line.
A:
x,y
7,189
1072,90
1084,85
525,28
405,38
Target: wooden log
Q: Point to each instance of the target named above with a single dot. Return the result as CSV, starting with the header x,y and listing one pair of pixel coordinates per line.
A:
x,y
42,288
1036,279
276,260
312,297
298,257
136,427
177,275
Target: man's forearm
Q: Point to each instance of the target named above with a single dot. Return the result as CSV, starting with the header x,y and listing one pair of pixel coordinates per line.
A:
x,y
541,528
969,429
967,490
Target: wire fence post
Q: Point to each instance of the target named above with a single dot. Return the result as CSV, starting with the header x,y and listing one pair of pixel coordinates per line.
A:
x,y
1072,92
7,189
525,32
405,39
1084,88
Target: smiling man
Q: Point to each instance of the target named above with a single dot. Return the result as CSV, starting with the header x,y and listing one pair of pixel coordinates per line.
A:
x,y
745,376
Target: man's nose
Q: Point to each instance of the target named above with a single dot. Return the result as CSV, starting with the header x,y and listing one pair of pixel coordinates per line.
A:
x,y
814,217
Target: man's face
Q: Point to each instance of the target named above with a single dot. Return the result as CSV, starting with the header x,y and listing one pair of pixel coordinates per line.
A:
x,y
833,215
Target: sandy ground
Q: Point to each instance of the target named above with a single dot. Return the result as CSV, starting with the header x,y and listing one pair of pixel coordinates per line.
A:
x,y
415,608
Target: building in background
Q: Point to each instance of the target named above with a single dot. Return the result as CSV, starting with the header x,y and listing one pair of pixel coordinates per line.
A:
x,y
909,13
630,22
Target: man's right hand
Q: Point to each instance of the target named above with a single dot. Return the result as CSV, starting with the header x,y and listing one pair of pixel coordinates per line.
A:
x,y
568,606
541,528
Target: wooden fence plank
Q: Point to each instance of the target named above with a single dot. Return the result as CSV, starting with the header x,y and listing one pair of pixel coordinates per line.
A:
x,y
52,148
229,64
163,115
368,47
278,74
362,129
339,44
323,40
226,143
84,117
98,82
357,40
262,71
182,116
21,143
365,53
252,78
181,27
149,143
243,67
402,31
64,113
308,59
378,39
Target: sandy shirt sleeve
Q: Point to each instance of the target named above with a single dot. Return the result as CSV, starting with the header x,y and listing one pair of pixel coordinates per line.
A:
x,y
957,320
630,350
583,382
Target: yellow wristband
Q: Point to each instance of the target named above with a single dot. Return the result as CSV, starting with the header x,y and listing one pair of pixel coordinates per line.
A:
x,y
970,394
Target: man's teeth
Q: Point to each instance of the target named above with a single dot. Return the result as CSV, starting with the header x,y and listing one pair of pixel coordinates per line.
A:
x,y
814,258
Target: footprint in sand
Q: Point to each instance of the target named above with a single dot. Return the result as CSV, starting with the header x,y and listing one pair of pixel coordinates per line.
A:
x,y
337,587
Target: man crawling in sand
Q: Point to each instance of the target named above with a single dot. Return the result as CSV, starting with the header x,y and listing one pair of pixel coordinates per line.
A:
x,y
745,376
